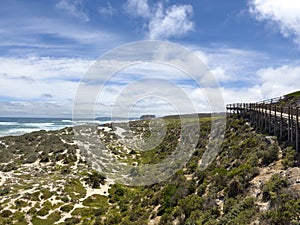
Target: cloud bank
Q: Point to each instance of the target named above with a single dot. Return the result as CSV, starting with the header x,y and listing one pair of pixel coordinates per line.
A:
x,y
47,86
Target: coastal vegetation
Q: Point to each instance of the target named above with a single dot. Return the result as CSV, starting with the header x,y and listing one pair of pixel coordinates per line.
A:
x,y
253,180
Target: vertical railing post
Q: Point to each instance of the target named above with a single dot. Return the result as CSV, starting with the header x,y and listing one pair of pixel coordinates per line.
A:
x,y
281,122
270,108
297,129
259,118
251,112
289,124
262,117
265,117
275,120
292,127
256,113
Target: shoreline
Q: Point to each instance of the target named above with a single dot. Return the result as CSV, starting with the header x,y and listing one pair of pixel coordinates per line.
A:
x,y
18,126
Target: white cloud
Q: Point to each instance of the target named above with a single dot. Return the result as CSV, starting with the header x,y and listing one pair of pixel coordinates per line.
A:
x,y
162,23
40,78
43,68
284,13
221,75
74,8
232,65
173,22
278,81
61,109
271,83
138,8
31,35
242,94
107,11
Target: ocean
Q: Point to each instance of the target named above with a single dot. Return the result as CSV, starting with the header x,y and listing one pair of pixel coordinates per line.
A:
x,y
19,126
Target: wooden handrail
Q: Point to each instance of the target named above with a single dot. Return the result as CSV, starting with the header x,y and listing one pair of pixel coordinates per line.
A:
x,y
276,119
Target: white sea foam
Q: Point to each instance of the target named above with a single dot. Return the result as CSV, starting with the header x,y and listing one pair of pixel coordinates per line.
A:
x,y
37,124
9,123
67,121
82,122
21,131
19,128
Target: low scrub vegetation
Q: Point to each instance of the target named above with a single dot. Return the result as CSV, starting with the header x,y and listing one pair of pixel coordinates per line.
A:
x,y
227,192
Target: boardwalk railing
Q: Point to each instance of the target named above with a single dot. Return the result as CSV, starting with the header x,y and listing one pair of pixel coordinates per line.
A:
x,y
271,117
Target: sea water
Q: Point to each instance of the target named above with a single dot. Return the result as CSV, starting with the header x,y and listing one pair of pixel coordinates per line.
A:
x,y
19,126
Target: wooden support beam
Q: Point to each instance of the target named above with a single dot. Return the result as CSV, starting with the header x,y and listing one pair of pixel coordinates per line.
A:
x,y
269,117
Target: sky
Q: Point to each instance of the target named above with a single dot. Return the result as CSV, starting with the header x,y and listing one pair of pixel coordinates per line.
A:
x,y
251,48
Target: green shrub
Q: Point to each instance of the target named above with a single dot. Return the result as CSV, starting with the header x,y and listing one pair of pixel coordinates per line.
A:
x,y
66,208
72,220
6,213
288,157
19,216
75,189
96,201
31,157
46,194
113,219
269,155
95,179
234,188
43,211
191,203
285,213
116,193
273,187
83,212
4,190
20,203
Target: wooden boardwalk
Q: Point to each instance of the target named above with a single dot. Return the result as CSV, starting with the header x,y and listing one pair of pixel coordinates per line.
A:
x,y
271,117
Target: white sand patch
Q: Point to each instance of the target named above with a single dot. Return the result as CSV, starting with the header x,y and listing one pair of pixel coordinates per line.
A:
x,y
28,219
1,142
106,129
54,200
65,142
188,176
62,219
78,156
119,132
26,209
4,177
60,163
36,164
103,190
128,150
4,164
155,220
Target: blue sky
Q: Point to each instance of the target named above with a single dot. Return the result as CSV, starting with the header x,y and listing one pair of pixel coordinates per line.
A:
x,y
251,47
